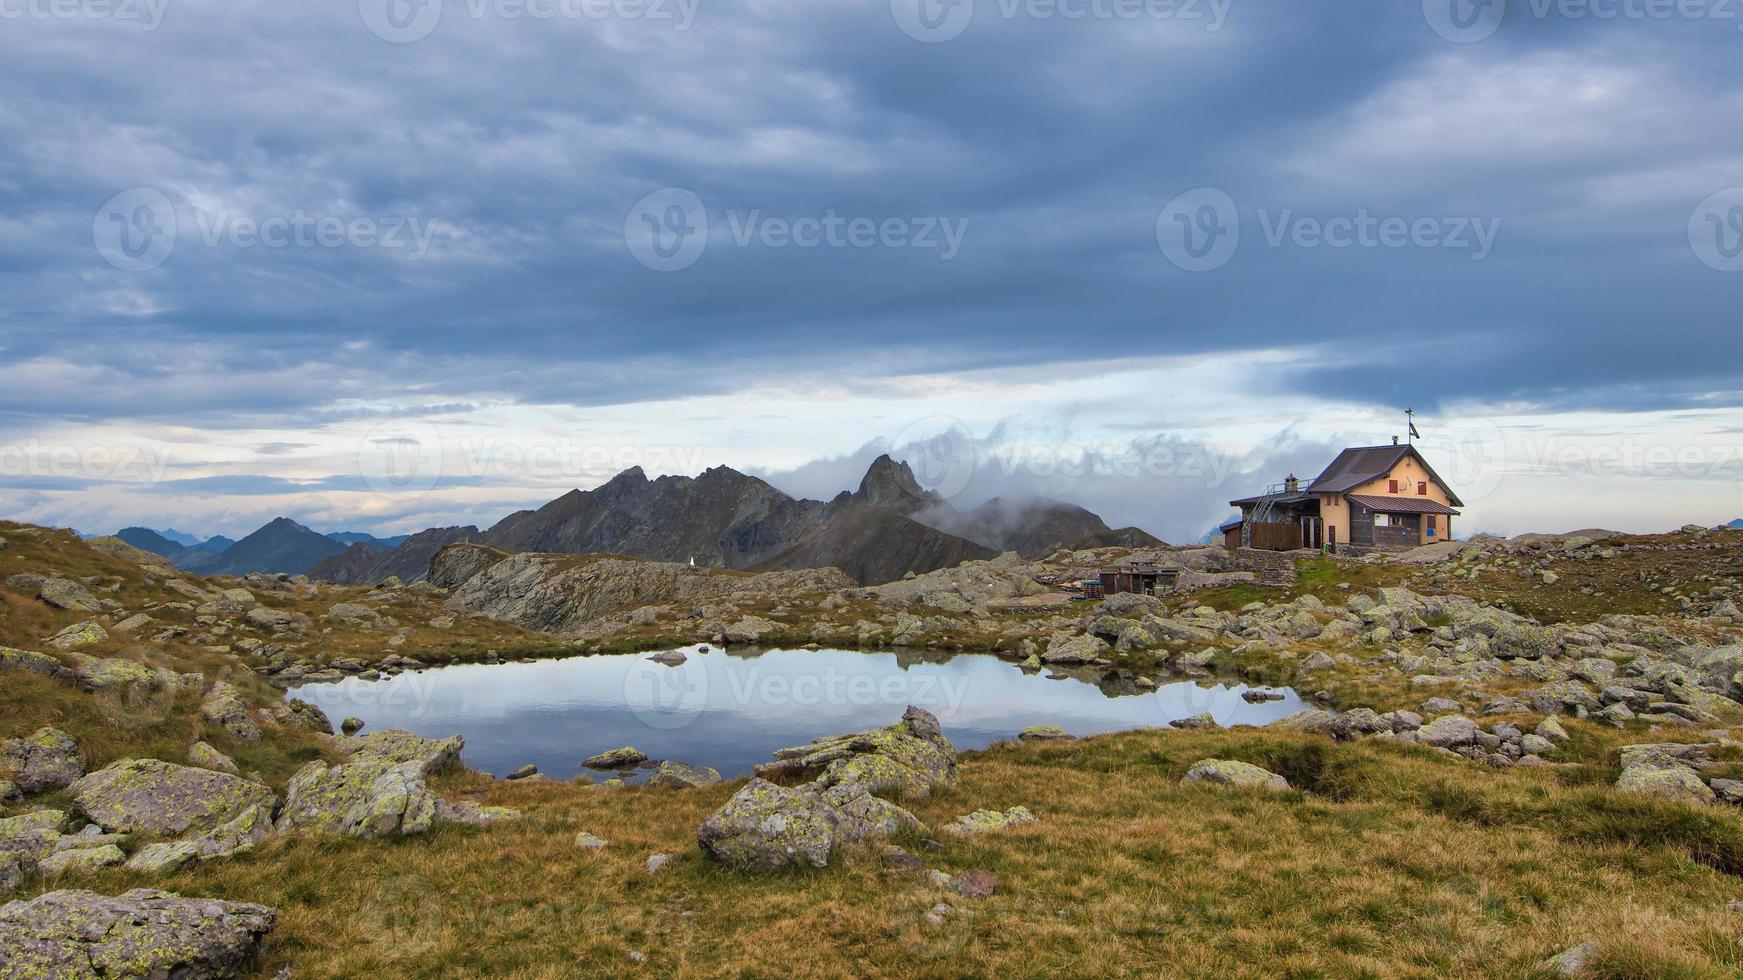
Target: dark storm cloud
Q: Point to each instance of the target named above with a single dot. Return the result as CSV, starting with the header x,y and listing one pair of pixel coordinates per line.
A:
x,y
508,153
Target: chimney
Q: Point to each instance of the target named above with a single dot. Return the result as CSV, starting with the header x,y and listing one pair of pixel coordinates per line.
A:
x,y
1291,485
1394,440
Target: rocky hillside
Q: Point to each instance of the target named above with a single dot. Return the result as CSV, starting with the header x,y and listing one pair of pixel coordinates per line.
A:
x,y
366,563
873,545
579,595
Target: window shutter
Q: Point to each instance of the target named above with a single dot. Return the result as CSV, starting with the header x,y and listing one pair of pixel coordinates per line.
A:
x,y
1422,489
1391,486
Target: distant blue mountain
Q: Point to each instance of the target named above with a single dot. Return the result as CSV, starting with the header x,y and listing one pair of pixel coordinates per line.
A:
x,y
217,544
358,537
146,539
182,538
1737,524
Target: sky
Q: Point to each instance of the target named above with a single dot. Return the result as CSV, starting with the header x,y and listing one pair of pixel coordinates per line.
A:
x,y
388,264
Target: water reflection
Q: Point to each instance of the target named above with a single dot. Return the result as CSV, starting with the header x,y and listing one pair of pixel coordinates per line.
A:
x,y
731,709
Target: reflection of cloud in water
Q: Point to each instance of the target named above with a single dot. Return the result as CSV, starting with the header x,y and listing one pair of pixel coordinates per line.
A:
x,y
731,710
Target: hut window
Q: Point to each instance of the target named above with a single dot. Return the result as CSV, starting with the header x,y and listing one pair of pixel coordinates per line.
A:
x,y
1422,489
1391,486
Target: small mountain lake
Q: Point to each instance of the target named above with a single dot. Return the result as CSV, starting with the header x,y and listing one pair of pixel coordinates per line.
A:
x,y
731,710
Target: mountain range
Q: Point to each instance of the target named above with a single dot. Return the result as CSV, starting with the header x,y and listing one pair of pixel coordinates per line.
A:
x,y
885,529
888,527
281,546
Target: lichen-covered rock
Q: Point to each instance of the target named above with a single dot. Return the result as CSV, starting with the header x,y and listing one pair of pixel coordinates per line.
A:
x,y
1318,661
205,757
1044,733
767,828
1666,771
72,935
907,759
379,791
682,775
986,821
627,757
123,678
1448,732
40,664
79,635
1551,729
79,859
12,871
860,816
62,594
1228,772
1066,649
301,714
223,706
1203,719
49,759
155,797
432,755
350,726
363,798
164,857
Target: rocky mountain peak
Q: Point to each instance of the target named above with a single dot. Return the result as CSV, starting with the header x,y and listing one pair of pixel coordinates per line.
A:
x,y
891,485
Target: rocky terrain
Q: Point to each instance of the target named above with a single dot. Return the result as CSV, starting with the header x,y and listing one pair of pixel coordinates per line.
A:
x,y
1521,759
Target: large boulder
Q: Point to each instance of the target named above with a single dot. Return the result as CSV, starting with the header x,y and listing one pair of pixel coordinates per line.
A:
x,y
155,797
683,775
224,707
907,759
40,664
46,760
87,633
1666,770
62,594
1066,649
143,933
765,827
1228,772
379,791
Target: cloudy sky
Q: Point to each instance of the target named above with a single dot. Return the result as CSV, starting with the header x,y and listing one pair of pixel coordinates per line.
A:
x,y
388,264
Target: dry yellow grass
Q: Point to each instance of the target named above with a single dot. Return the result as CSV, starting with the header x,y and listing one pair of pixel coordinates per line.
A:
x,y
1391,862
